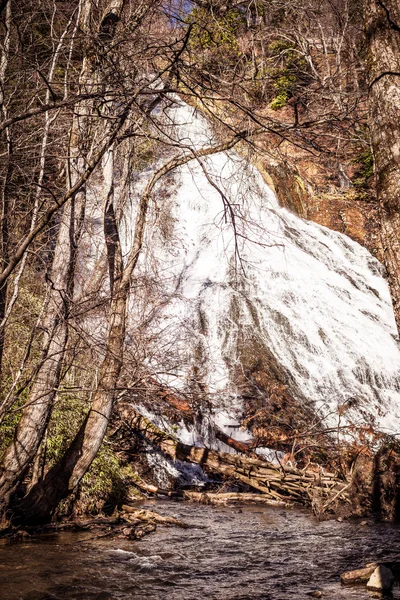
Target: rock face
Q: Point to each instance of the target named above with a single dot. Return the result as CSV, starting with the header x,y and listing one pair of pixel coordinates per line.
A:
x,y
353,212
382,579
311,190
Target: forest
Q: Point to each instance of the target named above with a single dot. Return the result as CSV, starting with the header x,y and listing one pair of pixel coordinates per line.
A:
x,y
199,275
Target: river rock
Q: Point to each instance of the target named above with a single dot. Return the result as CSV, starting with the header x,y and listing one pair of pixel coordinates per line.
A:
x,y
381,579
359,575
21,536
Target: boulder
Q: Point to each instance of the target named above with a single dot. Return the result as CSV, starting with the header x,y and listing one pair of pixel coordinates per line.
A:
x,y
381,579
359,575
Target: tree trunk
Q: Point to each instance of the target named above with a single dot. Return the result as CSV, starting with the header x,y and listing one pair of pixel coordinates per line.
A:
x,y
41,502
61,480
6,306
35,416
4,233
5,187
382,24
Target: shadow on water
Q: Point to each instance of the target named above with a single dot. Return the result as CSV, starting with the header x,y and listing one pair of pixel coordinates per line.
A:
x,y
247,553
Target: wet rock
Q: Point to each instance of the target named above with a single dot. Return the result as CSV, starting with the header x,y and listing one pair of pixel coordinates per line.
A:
x,y
381,579
21,536
359,575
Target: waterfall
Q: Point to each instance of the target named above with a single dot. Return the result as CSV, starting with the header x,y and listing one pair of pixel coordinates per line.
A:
x,y
242,288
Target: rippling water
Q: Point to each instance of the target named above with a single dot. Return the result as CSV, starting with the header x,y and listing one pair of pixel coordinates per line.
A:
x,y
247,553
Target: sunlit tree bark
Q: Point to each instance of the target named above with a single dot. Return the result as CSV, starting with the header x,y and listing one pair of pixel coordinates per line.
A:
x,y
5,185
382,22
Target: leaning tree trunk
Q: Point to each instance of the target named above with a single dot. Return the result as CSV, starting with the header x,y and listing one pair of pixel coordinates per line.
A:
x,y
382,24
41,502
7,305
83,141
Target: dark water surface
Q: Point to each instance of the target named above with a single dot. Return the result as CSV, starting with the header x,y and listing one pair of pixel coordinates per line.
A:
x,y
252,553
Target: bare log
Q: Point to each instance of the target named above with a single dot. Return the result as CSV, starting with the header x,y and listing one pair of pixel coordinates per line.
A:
x,y
227,498
148,488
152,517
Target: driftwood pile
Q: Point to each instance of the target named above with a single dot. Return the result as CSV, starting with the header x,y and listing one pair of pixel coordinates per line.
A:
x,y
277,483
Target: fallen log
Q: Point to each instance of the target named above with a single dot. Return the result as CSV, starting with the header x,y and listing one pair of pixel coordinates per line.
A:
x,y
152,517
76,525
243,447
230,497
274,481
107,526
148,488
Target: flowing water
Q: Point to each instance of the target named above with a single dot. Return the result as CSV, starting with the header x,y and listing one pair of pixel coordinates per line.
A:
x,y
221,284
247,553
230,286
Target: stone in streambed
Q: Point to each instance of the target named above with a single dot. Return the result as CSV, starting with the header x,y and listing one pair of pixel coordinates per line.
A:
x,y
359,575
381,579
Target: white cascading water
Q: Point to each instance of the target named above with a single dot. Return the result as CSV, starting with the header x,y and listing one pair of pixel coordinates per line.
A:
x,y
314,297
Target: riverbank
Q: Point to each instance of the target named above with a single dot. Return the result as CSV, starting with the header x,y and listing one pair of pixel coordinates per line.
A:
x,y
228,553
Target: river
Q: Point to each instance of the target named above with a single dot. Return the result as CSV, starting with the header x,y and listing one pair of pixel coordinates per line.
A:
x,y
229,553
